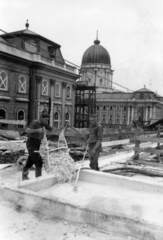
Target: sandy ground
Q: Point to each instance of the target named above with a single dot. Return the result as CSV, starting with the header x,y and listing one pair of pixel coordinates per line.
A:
x,y
18,223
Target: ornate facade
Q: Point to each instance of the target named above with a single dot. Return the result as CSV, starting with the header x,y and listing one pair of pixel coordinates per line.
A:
x,y
34,76
115,107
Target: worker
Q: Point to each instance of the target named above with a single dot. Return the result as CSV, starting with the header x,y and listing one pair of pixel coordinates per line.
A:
x,y
94,141
35,133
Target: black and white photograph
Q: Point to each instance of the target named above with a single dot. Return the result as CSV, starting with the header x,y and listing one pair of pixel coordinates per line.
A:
x,y
81,120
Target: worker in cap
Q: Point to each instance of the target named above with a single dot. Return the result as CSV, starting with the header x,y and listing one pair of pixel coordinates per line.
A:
x,y
94,141
35,133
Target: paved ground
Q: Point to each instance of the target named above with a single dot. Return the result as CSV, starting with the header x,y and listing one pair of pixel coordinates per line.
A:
x,y
18,223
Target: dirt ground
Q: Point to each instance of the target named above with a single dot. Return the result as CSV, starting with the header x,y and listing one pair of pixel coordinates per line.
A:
x,y
18,223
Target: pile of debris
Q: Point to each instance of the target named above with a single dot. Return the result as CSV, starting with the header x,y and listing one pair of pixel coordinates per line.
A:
x,y
10,152
57,161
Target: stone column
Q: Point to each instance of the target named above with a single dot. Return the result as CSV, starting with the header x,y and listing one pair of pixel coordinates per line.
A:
x,y
132,116
154,112
63,101
38,83
128,115
73,105
107,114
114,117
146,113
100,114
52,90
121,114
150,114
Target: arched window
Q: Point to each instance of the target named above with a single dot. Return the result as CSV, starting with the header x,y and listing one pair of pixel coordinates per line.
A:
x,y
111,108
21,116
3,81
57,90
3,115
22,84
100,82
67,118
104,108
44,87
68,91
56,119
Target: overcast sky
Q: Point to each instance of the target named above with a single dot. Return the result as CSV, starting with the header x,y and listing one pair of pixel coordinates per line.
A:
x,y
131,31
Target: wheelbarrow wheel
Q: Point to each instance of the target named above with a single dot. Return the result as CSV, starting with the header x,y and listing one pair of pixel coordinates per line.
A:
x,y
21,162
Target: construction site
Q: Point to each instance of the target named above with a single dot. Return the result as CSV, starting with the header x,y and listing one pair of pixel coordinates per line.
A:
x,y
121,201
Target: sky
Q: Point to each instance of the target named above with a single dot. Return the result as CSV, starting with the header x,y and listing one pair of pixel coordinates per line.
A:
x,y
130,30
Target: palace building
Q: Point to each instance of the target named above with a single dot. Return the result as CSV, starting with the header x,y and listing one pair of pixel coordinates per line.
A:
x,y
34,76
115,107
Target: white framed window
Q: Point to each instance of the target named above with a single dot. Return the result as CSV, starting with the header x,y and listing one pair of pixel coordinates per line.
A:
x,y
68,91
57,90
104,108
56,119
44,87
111,108
118,108
101,82
67,118
3,80
22,84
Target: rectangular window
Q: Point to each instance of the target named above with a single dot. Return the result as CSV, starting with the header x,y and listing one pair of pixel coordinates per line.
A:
x,y
110,118
118,117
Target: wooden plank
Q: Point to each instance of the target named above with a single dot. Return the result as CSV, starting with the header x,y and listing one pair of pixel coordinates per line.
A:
x,y
148,150
150,163
142,138
114,143
18,122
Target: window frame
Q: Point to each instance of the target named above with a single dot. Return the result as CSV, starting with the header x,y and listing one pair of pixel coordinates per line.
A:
x,y
68,86
6,79
44,88
59,92
22,84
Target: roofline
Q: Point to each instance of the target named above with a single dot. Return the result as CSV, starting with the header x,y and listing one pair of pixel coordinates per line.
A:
x,y
20,33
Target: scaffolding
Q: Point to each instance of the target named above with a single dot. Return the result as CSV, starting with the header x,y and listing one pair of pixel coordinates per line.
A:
x,y
85,104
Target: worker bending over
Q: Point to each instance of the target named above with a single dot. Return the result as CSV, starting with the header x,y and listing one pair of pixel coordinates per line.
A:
x,y
94,141
35,133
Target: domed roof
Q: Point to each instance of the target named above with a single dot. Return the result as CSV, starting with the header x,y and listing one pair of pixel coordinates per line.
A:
x,y
96,54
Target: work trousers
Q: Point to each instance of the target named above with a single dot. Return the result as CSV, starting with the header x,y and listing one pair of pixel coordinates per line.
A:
x,y
94,158
33,146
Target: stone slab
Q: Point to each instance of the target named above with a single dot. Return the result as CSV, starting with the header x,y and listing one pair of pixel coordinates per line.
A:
x,y
115,203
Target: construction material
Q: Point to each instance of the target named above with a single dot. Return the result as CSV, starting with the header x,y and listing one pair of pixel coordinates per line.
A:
x,y
57,161
10,152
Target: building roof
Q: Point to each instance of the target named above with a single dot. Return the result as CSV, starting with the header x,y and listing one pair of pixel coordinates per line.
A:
x,y
96,54
114,96
144,89
27,32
